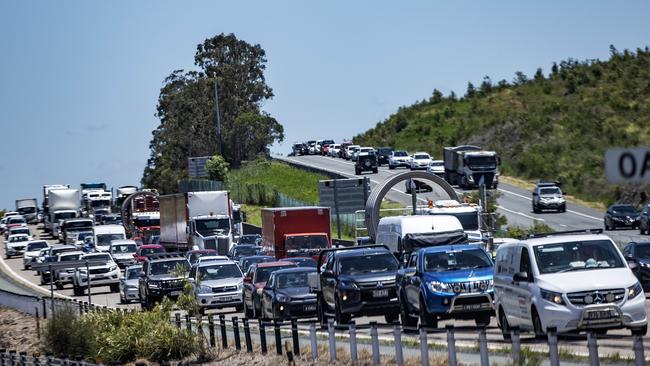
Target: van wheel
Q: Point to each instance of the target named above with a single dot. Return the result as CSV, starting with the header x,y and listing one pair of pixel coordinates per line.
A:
x,y
537,325
503,324
427,320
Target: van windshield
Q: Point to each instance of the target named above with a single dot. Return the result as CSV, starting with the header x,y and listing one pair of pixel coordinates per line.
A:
x,y
577,256
105,239
453,260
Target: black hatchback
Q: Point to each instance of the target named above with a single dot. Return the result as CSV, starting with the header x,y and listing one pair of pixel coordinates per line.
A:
x,y
621,215
286,295
638,257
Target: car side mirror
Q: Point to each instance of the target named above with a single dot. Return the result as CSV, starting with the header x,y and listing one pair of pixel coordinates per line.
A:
x,y
520,277
247,279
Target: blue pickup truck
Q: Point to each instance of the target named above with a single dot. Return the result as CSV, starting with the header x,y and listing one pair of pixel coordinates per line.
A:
x,y
446,282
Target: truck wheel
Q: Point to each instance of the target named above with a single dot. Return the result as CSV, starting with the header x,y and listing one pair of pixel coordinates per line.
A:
x,y
427,320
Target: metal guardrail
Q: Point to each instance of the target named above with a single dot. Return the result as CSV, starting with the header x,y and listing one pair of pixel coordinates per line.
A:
x,y
10,357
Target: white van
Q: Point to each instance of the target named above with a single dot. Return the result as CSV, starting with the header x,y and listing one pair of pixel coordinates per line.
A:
x,y
105,234
392,230
572,281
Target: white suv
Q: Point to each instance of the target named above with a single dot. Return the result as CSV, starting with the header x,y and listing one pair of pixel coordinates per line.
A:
x,y
572,281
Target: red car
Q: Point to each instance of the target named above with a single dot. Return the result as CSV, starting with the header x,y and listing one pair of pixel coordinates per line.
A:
x,y
146,250
254,282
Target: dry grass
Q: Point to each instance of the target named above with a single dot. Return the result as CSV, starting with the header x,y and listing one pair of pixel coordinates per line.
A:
x,y
18,332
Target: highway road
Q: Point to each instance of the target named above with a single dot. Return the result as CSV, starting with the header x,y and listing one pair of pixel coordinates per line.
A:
x,y
514,203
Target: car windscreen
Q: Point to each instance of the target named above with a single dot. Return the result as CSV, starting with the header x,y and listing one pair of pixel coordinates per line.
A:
x,y
16,239
301,242
16,220
19,231
38,245
219,272
99,257
167,267
420,157
306,262
247,262
244,251
292,280
400,153
105,239
452,260
69,258
549,191
262,274
78,224
623,209
577,256
132,274
148,251
373,263
436,163
643,251
123,248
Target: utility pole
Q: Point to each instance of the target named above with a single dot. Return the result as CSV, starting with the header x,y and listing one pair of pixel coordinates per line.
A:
x,y
218,116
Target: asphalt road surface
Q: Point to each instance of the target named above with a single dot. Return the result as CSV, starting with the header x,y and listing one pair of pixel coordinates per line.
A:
x,y
514,203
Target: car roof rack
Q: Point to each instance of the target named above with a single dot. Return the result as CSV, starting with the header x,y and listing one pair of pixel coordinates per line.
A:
x,y
548,183
329,250
555,233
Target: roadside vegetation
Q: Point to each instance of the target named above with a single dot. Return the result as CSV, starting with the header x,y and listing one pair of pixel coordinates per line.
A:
x,y
553,125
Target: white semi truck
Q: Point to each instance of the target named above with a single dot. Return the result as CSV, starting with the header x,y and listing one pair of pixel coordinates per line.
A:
x,y
28,207
196,220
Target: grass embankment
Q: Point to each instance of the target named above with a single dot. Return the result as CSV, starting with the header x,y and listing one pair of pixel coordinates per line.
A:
x,y
554,125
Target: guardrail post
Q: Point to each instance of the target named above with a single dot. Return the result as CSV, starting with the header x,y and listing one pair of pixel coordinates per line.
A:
x,y
12,358
399,357
294,335
247,335
639,356
235,329
188,322
352,327
199,325
314,343
554,355
482,341
22,357
278,337
451,345
48,359
36,361
332,339
516,345
178,320
224,339
213,341
424,347
263,337
592,344
375,343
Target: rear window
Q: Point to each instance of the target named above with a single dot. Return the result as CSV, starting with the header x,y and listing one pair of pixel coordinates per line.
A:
x,y
263,274
373,263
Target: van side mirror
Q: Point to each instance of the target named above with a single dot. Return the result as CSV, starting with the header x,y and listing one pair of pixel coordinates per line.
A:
x,y
520,277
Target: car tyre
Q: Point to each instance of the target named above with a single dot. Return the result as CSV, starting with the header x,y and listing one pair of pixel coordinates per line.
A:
x,y
239,308
391,318
537,325
390,167
322,316
59,285
77,291
408,321
341,318
503,325
376,170
427,320
643,330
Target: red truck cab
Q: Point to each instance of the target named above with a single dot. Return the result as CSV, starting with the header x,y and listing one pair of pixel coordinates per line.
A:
x,y
295,231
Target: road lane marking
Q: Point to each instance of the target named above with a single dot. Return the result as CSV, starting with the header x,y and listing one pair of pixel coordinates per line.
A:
x,y
520,213
571,211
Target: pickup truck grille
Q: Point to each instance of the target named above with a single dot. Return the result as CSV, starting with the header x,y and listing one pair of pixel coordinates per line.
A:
x,y
172,283
373,284
99,270
596,297
217,290
471,286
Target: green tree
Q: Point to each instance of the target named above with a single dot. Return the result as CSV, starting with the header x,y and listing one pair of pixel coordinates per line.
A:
x,y
471,90
217,168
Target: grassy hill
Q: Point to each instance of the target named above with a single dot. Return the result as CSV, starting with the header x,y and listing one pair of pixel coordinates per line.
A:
x,y
553,125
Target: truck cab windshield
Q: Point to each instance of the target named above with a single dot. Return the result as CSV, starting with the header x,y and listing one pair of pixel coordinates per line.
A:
x,y
209,227
301,242
481,162
146,222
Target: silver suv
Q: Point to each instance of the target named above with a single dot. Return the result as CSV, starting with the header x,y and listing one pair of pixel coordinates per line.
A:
x,y
548,196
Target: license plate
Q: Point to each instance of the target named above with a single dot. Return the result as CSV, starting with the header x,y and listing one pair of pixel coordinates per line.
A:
x,y
601,314
175,293
380,293
309,307
224,299
472,307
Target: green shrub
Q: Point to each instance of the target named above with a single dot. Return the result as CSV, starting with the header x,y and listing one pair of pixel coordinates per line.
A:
x,y
67,335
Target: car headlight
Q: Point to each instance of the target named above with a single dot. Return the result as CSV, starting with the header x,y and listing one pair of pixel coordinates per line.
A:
x,y
550,296
437,286
153,284
203,289
113,268
348,284
634,291
240,286
644,265
282,298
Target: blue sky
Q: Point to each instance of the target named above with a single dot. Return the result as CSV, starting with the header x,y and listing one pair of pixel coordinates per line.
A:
x,y
80,79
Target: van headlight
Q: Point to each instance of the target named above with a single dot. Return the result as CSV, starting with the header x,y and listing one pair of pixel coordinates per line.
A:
x,y
634,291
437,286
550,296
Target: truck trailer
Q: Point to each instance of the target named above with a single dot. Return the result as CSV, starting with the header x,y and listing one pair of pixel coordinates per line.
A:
x,y
196,220
46,192
295,231
467,165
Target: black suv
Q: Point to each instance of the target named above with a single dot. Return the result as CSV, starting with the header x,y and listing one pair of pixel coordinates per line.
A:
x,y
356,281
299,149
159,278
644,220
382,155
638,256
366,161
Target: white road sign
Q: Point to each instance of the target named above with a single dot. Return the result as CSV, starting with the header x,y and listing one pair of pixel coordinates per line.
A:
x,y
628,165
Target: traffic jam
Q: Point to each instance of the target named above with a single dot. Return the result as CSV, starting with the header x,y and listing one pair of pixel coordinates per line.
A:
x,y
418,270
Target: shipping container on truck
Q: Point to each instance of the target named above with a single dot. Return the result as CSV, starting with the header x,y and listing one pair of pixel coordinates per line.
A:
x,y
295,231
196,220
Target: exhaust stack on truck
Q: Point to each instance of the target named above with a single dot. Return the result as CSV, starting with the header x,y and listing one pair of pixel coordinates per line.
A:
x,y
196,220
295,231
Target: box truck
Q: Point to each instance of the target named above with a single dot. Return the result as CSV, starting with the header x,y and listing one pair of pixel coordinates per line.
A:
x,y
46,192
28,207
295,231
196,220
63,205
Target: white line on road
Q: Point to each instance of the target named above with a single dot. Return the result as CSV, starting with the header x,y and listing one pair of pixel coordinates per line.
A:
x,y
571,211
520,213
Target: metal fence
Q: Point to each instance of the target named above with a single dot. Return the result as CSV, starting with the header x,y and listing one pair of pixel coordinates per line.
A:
x,y
45,306
12,358
269,336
